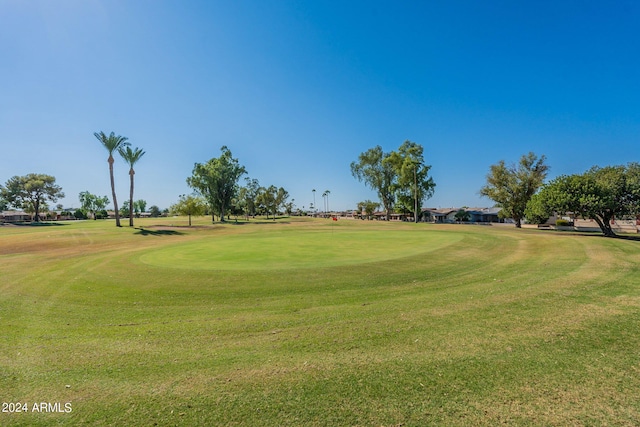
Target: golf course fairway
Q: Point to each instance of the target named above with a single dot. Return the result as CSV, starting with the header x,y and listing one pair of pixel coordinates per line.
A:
x,y
316,322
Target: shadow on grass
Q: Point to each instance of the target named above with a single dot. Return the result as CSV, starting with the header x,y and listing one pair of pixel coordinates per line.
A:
x,y
33,224
147,232
598,234
627,237
257,221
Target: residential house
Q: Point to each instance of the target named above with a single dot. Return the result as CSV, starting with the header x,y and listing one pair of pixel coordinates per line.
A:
x,y
14,216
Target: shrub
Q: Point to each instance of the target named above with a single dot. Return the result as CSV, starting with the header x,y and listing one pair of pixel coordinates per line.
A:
x,y
563,223
80,214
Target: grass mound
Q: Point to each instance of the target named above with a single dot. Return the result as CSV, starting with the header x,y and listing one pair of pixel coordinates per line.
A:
x,y
288,248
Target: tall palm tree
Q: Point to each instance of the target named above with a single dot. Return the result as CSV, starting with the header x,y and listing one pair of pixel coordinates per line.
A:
x,y
326,200
131,157
112,143
314,198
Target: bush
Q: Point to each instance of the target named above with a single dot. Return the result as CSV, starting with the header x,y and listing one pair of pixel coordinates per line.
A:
x,y
563,223
80,214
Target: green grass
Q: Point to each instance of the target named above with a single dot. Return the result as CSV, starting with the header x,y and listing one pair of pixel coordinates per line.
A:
x,y
314,322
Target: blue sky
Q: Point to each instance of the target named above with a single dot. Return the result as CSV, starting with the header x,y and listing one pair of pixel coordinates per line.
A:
x,y
298,89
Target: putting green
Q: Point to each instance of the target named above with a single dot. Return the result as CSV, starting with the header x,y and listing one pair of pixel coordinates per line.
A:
x,y
272,250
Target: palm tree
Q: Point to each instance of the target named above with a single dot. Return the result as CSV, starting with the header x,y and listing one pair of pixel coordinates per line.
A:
x,y
131,157
112,143
314,197
326,200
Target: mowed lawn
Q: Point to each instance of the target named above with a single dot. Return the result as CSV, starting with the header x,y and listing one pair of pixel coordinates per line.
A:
x,y
318,323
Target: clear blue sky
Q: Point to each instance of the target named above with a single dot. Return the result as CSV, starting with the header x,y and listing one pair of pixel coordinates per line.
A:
x,y
298,89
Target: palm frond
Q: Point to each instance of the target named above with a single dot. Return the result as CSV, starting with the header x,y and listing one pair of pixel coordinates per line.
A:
x,y
112,142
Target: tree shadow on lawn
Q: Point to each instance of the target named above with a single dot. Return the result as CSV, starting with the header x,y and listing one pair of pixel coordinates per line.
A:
x,y
146,232
627,237
256,221
33,224
599,234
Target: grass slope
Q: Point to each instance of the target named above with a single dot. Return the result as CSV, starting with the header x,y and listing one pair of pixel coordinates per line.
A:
x,y
311,322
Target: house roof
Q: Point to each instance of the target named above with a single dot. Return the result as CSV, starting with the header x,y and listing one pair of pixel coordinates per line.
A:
x,y
13,213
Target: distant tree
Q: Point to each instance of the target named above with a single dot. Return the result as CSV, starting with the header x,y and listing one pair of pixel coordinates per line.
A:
x,y
462,215
4,204
155,211
131,156
325,195
189,205
92,203
80,214
139,206
217,181
124,209
247,196
314,200
112,143
281,199
413,184
601,194
368,207
267,200
31,192
288,207
511,187
377,173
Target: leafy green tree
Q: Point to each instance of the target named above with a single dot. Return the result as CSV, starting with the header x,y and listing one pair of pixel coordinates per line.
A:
x,y
369,207
80,214
247,196
601,194
288,206
462,215
537,212
155,211
413,185
131,156
4,204
124,209
139,206
92,203
31,192
189,205
112,143
378,174
281,199
511,187
267,199
217,181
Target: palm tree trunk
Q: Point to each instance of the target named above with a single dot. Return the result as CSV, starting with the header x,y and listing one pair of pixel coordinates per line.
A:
x,y
113,191
131,173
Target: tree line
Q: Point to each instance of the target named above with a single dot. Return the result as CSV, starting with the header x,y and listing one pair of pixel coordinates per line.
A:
x,y
217,192
601,194
400,178
32,191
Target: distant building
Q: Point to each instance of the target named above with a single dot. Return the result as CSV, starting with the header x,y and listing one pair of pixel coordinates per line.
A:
x,y
14,216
